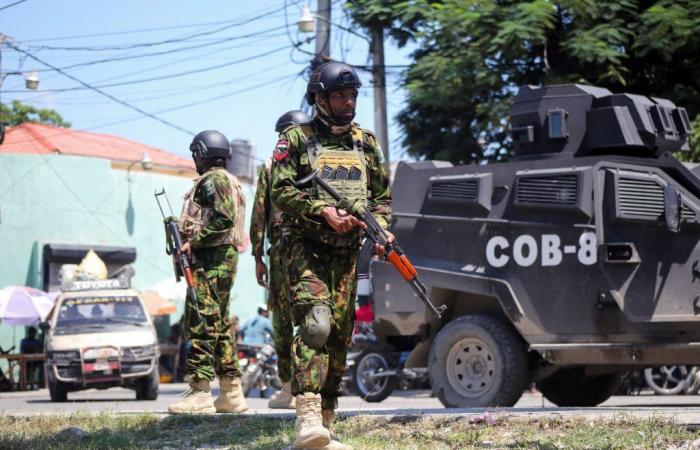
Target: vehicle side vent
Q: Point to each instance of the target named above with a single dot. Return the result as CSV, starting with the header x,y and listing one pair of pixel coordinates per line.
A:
x,y
455,190
559,190
641,198
687,214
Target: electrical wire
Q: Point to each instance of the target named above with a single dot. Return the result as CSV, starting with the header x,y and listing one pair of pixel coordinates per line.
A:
x,y
163,42
145,80
12,4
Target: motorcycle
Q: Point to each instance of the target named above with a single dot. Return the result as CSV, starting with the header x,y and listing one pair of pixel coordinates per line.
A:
x,y
258,365
374,373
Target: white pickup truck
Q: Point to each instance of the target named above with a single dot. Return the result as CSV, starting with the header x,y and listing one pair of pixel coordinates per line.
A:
x,y
101,338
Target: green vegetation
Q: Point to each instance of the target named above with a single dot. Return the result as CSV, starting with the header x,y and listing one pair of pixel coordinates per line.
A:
x,y
18,112
363,432
471,55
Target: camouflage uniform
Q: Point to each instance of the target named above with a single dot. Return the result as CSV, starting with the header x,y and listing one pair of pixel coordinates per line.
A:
x,y
267,220
321,263
214,262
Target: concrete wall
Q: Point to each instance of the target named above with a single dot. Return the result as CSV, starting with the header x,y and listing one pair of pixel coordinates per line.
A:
x,y
69,199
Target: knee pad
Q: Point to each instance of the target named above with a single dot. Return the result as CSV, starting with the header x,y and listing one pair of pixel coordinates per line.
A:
x,y
316,326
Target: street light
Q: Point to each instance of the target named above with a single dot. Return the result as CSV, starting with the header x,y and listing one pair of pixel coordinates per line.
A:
x,y
146,164
306,21
31,80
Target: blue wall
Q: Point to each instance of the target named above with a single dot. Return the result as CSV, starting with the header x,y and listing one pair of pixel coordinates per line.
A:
x,y
69,199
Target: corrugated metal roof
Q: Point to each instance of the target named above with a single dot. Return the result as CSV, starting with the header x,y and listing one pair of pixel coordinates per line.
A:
x,y
33,138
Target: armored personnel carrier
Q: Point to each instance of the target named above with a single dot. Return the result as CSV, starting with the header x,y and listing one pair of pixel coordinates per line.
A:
x,y
571,264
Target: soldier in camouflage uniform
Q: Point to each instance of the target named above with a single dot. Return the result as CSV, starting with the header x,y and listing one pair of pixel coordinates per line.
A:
x,y
320,243
266,220
211,225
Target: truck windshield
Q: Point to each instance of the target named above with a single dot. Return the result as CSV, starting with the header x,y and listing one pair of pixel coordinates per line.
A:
x,y
100,310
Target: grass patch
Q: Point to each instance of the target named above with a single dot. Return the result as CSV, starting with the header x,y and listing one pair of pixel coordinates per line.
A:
x,y
105,430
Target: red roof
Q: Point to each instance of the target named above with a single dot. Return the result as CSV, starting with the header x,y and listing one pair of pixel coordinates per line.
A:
x,y
34,138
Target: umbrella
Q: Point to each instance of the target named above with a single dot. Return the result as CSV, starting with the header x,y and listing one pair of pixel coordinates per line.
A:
x,y
22,305
157,305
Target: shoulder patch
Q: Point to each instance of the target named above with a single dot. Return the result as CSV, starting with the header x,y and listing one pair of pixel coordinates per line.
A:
x,y
281,149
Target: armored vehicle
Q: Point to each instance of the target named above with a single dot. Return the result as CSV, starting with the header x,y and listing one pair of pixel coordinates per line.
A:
x,y
574,262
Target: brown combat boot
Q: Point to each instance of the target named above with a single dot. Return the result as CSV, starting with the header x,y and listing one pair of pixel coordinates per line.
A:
x,y
283,399
327,418
230,399
310,431
197,399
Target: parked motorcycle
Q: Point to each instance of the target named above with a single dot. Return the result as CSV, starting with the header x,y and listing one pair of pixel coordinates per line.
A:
x,y
258,365
673,380
374,373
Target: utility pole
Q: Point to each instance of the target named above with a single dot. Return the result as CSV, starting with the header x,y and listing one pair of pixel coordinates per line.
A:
x,y
379,79
323,33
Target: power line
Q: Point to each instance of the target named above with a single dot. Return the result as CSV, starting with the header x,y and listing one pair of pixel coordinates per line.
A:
x,y
98,90
12,4
143,80
166,41
164,52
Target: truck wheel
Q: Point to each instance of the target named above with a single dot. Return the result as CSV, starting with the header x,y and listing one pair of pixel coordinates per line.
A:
x,y
369,388
478,361
58,391
147,387
571,387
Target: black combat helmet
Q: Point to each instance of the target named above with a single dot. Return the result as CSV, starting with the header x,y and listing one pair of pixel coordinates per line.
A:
x,y
293,117
210,148
331,76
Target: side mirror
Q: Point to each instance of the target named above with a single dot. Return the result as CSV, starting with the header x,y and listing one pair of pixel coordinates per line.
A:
x,y
44,326
672,208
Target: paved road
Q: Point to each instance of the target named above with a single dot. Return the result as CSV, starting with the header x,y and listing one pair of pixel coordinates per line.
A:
x,y
684,409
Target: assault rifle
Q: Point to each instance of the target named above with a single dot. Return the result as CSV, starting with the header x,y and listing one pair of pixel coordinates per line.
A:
x,y
173,247
392,252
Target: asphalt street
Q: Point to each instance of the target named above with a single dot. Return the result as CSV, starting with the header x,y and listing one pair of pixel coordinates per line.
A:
x,y
683,409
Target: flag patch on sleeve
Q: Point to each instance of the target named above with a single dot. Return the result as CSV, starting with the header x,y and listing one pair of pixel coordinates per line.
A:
x,y
281,150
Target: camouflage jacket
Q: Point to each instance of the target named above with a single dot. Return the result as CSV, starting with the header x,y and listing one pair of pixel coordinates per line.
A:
x,y
215,192
290,163
266,219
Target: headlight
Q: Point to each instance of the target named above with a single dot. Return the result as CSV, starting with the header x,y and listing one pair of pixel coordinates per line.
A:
x,y
140,352
65,356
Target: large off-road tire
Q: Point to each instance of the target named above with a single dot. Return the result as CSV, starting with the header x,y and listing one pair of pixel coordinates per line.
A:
x,y
367,387
147,387
572,387
58,392
478,361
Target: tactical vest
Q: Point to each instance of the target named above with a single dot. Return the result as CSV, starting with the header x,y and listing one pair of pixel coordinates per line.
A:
x,y
346,172
195,217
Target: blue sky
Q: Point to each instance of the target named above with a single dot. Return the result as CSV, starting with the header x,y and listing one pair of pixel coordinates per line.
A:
x,y
229,65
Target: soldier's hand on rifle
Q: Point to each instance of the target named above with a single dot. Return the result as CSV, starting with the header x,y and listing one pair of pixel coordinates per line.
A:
x,y
186,249
261,273
379,249
340,220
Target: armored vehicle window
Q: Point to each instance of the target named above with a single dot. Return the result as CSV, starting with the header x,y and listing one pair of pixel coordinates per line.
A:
x,y
557,124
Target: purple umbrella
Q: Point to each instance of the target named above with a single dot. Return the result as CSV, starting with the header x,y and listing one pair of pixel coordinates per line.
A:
x,y
22,305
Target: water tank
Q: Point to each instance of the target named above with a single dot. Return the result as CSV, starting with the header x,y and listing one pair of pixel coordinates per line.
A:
x,y
242,163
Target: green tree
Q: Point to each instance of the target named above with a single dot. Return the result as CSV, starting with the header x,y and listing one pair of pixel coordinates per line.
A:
x,y
18,112
473,54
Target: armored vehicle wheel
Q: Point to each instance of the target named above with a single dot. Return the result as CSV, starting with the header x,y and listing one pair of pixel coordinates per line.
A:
x,y
571,387
668,380
58,391
371,388
147,388
478,361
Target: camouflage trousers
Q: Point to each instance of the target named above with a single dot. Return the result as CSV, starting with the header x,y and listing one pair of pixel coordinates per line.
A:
x,y
282,326
213,349
321,274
